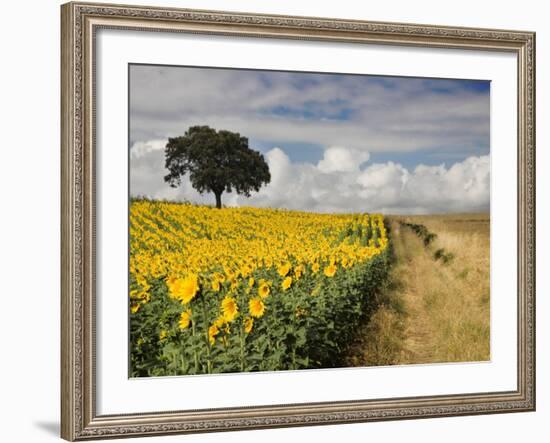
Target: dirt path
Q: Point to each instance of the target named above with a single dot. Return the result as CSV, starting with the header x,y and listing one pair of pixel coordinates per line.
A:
x,y
412,268
429,312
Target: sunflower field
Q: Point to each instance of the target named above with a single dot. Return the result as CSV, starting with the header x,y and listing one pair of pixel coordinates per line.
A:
x,y
248,289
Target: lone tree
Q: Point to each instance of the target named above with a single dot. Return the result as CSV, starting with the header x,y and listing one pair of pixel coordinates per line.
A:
x,y
216,161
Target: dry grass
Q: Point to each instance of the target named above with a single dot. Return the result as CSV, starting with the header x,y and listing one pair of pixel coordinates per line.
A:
x,y
433,312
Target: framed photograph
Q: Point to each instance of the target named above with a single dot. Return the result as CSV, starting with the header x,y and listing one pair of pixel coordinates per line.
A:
x,y
283,221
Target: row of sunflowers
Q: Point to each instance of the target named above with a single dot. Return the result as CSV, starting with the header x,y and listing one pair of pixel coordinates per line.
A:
x,y
248,289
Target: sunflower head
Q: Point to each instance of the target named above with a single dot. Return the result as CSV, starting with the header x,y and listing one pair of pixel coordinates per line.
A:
x,y
212,332
284,269
184,289
263,290
219,322
330,270
248,324
256,307
234,281
298,271
229,308
185,319
286,283
216,285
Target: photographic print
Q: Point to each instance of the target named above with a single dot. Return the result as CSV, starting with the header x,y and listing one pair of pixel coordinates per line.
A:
x,y
299,220
285,203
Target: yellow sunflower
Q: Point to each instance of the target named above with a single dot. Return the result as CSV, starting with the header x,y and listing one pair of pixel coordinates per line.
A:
x,y
256,307
229,308
216,285
248,324
184,289
330,270
263,290
220,321
286,283
283,269
212,332
185,319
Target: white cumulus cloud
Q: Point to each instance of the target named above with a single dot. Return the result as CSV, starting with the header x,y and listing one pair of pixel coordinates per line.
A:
x,y
341,159
342,181
463,187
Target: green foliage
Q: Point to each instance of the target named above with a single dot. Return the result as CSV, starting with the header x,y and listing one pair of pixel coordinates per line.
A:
x,y
216,161
421,230
309,325
428,238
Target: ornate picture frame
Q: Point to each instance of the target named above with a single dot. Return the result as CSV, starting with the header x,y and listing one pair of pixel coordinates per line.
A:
x,y
80,23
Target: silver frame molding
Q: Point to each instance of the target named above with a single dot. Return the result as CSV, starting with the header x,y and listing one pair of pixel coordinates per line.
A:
x,y
79,22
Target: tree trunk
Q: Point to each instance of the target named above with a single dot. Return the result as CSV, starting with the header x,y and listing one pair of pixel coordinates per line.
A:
x,y
218,199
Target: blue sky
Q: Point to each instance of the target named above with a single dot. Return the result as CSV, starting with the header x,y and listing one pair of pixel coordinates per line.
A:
x,y
410,122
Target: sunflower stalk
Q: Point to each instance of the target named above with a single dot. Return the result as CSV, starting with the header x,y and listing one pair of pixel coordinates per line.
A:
x,y
242,347
195,354
205,320
295,329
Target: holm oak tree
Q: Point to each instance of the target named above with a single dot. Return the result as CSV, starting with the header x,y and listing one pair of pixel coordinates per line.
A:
x,y
216,161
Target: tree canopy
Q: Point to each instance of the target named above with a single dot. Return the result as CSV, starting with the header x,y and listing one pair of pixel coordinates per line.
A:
x,y
216,161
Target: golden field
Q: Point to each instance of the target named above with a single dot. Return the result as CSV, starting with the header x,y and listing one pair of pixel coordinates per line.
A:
x,y
249,289
432,311
245,289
